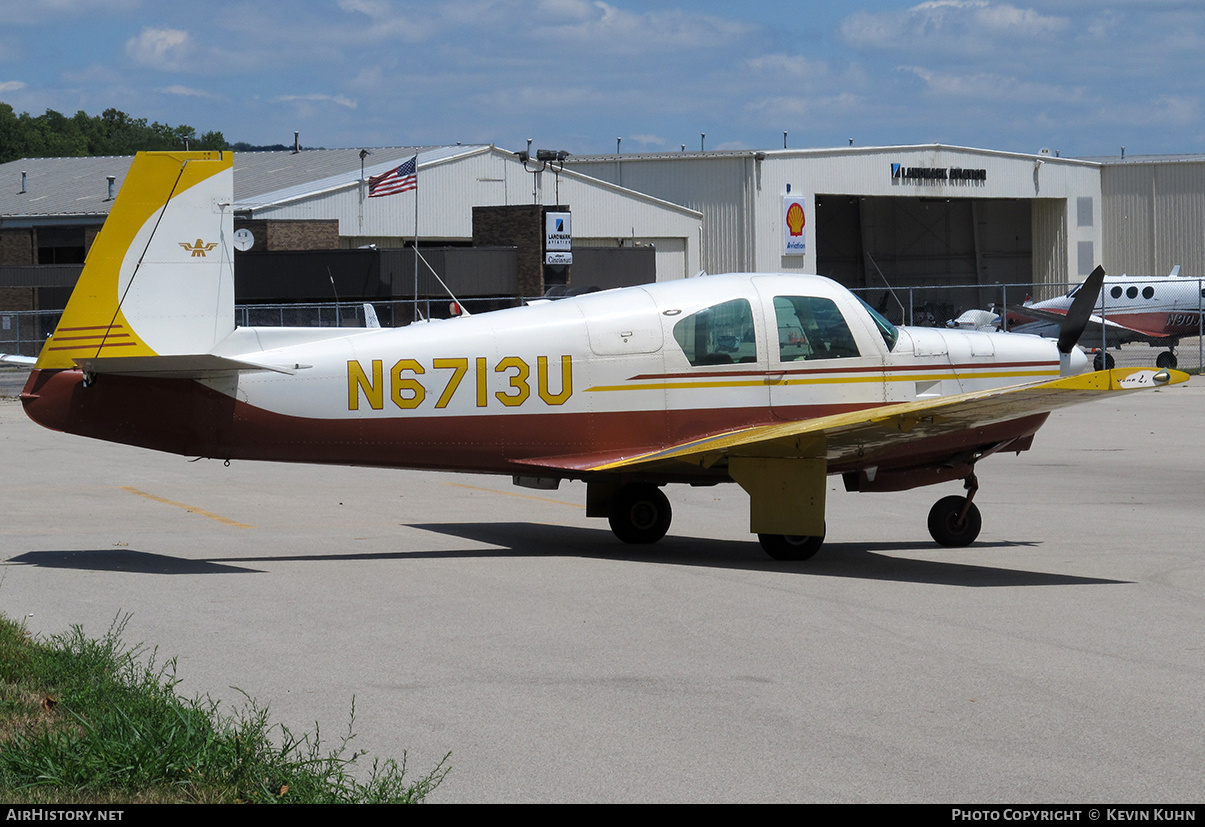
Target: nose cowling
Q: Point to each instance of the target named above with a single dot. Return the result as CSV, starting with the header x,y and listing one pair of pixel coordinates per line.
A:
x,y
1074,363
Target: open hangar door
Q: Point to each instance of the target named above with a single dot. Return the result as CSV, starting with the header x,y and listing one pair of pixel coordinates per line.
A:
x,y
963,246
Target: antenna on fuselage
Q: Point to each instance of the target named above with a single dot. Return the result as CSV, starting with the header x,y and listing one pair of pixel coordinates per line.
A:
x,y
890,289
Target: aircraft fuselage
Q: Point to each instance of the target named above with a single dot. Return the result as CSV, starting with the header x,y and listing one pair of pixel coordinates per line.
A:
x,y
610,374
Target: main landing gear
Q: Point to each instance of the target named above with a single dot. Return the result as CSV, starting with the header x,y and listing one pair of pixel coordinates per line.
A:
x,y
640,514
1166,359
954,521
790,547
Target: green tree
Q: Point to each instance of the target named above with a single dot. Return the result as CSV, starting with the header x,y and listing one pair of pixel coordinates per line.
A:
x,y
111,133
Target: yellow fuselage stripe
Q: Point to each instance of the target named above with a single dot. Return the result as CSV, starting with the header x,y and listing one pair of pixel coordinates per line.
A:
x,y
827,380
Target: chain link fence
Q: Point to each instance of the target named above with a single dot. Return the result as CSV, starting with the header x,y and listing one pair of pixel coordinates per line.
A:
x,y
945,306
23,332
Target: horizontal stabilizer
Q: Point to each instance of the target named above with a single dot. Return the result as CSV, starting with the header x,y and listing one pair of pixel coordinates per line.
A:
x,y
182,366
23,361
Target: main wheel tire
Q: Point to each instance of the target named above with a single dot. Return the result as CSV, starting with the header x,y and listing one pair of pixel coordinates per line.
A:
x,y
1166,359
1103,361
640,514
791,547
944,525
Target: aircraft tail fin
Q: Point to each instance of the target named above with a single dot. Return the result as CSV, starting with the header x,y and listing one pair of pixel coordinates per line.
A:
x,y
159,278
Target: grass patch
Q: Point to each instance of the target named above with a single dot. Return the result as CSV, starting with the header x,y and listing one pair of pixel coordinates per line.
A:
x,y
86,720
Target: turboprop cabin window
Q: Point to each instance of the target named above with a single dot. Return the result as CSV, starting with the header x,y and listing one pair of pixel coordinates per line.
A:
x,y
811,328
718,335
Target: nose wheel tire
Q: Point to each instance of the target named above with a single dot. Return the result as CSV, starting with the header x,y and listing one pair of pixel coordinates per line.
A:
x,y
790,546
640,514
949,527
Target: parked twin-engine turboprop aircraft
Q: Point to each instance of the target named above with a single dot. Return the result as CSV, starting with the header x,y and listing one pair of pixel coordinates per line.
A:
x,y
774,382
1158,310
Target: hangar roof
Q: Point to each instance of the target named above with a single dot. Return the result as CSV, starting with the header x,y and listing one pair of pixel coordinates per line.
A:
x,y
819,152
77,187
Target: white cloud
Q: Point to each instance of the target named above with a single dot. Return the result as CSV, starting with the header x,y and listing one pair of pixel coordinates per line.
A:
x,y
988,86
166,49
804,106
599,26
781,65
960,26
318,98
189,92
11,85
39,12
1162,112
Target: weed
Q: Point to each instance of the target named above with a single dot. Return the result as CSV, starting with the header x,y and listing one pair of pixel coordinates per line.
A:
x,y
84,717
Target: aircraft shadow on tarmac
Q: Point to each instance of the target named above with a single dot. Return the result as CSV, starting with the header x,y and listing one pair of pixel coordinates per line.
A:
x,y
864,561
857,560
125,560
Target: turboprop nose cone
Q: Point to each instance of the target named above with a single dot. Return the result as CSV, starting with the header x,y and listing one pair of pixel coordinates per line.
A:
x,y
1073,363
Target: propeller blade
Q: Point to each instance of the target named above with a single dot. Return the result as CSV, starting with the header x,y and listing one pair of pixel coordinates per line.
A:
x,y
1081,308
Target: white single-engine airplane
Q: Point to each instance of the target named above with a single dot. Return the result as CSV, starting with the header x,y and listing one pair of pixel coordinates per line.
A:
x,y
1158,310
770,381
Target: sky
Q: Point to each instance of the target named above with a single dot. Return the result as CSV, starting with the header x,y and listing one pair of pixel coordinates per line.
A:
x,y
1081,77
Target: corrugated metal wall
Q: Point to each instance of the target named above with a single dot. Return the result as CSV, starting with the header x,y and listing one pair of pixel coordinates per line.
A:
x,y
1154,217
706,185
1049,227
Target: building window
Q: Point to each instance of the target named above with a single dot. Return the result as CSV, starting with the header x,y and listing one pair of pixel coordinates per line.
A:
x,y
1083,208
1086,258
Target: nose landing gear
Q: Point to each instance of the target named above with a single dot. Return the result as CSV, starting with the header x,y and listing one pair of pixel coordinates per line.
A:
x,y
955,521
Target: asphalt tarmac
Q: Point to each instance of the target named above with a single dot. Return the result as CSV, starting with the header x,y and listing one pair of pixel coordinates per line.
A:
x,y
1060,659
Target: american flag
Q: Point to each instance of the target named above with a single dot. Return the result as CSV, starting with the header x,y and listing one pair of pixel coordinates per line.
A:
x,y
402,179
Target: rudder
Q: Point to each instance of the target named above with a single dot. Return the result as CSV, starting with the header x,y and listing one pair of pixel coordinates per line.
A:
x,y
159,278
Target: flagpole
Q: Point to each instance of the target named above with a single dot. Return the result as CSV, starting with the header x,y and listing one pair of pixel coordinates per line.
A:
x,y
416,314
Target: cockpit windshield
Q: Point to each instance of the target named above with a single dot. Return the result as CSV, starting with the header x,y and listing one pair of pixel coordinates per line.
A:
x,y
886,329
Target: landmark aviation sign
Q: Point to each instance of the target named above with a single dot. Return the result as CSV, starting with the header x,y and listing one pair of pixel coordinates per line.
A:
x,y
937,176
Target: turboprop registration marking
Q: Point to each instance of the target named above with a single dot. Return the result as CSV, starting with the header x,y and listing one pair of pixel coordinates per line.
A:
x,y
408,393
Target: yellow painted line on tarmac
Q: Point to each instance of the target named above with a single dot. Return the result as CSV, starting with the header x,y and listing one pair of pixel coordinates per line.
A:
x,y
186,507
513,494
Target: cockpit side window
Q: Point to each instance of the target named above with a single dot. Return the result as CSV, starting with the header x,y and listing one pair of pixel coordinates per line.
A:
x,y
718,335
810,327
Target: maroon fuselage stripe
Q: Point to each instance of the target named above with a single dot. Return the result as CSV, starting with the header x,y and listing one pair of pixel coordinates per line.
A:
x,y
184,417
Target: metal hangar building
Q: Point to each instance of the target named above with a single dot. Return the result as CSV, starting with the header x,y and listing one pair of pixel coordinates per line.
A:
x,y
878,216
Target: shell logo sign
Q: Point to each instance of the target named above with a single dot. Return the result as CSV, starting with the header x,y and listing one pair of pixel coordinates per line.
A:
x,y
794,219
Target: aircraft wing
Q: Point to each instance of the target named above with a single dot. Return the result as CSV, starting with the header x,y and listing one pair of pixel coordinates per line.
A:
x,y
1095,323
860,432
